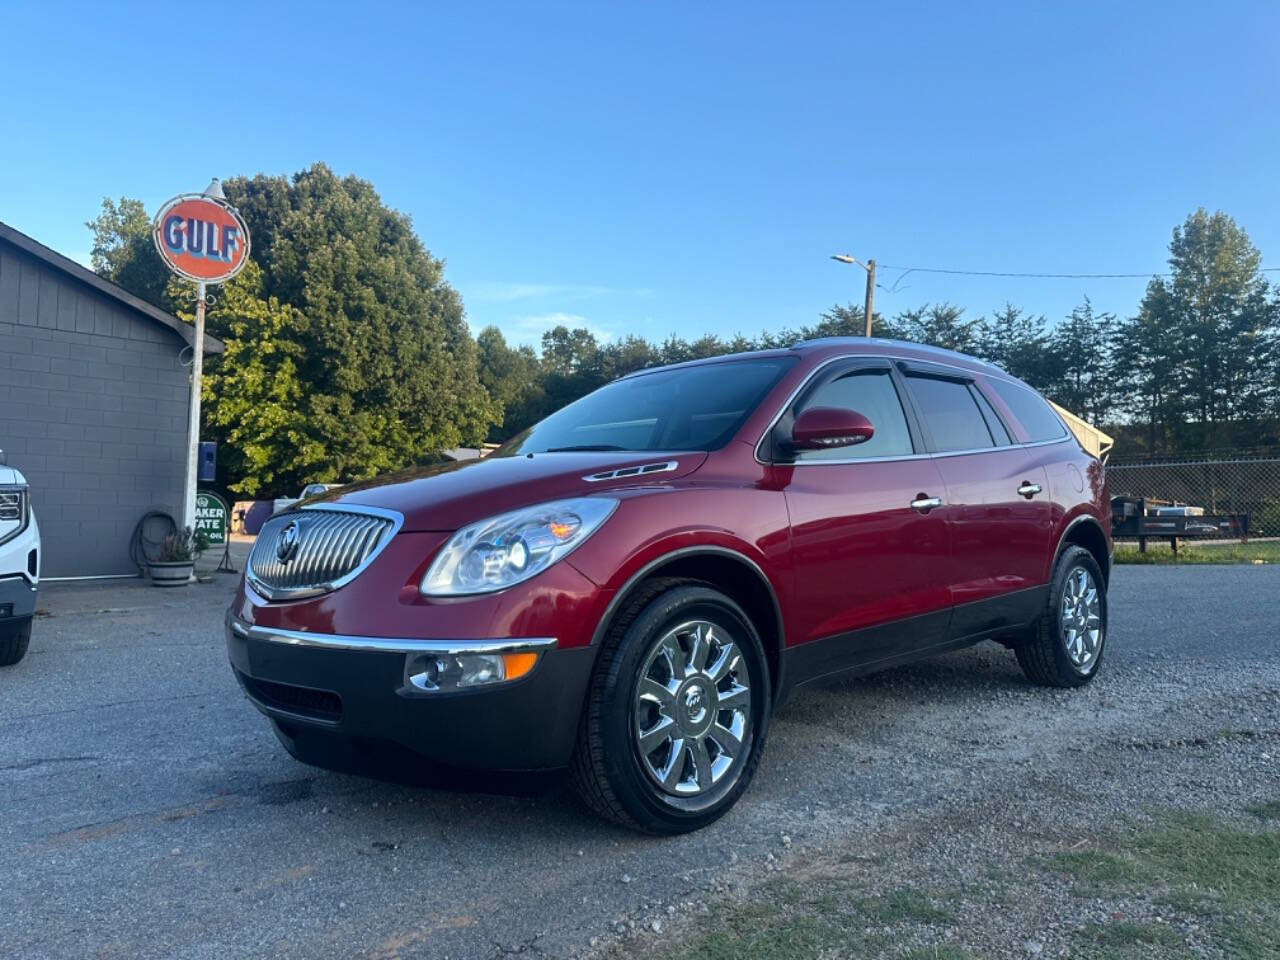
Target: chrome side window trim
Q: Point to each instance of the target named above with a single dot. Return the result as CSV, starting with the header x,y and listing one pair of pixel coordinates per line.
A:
x,y
961,371
276,593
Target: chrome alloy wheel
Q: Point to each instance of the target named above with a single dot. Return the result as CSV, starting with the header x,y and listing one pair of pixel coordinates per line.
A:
x,y
692,709
1080,619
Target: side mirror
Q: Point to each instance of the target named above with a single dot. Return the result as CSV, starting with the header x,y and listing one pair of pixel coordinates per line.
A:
x,y
819,428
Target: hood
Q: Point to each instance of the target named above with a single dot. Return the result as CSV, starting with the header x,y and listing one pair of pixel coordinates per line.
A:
x,y
10,475
451,495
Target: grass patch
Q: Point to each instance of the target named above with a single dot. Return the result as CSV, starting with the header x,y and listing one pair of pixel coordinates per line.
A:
x,y
1266,811
1212,883
822,917
1189,553
903,906
1122,940
768,934
1227,876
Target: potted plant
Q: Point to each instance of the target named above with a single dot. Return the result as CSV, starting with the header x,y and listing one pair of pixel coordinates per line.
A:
x,y
177,558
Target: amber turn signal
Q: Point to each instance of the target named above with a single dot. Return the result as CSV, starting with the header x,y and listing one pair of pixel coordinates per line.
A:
x,y
517,664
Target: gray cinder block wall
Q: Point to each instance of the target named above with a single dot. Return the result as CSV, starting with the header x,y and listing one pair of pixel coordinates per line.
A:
x,y
93,410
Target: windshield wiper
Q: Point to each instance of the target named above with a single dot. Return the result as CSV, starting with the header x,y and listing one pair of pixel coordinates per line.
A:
x,y
585,447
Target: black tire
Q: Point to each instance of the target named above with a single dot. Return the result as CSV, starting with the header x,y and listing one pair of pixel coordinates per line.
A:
x,y
606,767
1042,654
14,640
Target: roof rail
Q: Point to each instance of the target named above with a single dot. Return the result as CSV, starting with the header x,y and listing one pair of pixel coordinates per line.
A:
x,y
888,342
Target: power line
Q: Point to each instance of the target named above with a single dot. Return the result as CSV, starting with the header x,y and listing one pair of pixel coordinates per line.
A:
x,y
1041,276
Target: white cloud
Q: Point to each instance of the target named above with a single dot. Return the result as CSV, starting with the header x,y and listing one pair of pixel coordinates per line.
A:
x,y
529,330
508,292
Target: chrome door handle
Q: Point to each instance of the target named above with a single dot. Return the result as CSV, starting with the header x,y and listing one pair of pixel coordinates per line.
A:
x,y
1029,490
925,504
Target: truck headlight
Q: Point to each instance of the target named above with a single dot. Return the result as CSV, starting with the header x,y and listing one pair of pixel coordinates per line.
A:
x,y
14,510
504,550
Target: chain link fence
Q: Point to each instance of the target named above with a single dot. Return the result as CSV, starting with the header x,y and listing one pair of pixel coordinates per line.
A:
x,y
1230,482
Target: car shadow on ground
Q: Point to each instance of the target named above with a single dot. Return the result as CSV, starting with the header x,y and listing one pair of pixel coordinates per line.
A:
x,y
958,678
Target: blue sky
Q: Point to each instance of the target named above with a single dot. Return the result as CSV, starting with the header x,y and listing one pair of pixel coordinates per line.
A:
x,y
656,168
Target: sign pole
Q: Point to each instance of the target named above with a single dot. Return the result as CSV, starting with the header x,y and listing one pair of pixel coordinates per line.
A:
x,y
204,239
193,424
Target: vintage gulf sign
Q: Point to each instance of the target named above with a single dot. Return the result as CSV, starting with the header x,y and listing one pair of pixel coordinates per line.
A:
x,y
201,238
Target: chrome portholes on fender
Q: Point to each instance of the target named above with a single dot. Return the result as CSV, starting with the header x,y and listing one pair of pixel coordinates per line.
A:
x,y
692,708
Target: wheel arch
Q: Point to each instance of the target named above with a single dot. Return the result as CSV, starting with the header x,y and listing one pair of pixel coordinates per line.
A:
x,y
735,574
1085,531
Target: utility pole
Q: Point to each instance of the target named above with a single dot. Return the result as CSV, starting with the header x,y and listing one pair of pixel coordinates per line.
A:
x,y
870,267
871,290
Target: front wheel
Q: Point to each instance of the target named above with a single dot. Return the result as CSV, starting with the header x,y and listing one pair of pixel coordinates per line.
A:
x,y
1064,648
15,637
676,713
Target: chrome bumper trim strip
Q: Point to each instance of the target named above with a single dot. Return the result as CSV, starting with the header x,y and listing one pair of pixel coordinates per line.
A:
x,y
334,641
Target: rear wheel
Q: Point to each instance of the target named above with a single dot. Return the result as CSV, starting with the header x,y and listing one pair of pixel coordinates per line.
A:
x,y
15,637
1064,648
677,710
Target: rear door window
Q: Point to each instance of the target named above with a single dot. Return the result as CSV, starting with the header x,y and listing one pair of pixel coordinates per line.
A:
x,y
1031,409
871,393
994,423
951,415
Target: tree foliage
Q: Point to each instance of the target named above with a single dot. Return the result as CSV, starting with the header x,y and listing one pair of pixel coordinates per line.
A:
x,y
348,354
348,323
254,400
1197,366
1204,339
124,253
1083,377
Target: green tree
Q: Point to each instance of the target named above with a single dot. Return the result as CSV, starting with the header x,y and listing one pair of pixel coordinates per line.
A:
x,y
573,365
940,325
1204,337
1019,342
513,378
1082,346
849,321
570,353
254,400
386,368
124,253
628,355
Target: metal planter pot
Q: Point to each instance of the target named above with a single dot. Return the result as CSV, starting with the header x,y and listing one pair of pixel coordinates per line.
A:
x,y
177,574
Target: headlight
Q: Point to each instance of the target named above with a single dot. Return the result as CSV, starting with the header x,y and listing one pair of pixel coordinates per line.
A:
x,y
13,510
504,550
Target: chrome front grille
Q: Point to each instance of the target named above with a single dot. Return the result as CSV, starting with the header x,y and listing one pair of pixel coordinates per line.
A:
x,y
302,553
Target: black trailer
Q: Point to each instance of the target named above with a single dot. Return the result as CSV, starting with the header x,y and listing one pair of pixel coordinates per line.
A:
x,y
1145,517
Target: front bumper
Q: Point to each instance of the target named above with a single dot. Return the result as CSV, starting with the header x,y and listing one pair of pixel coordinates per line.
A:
x,y
357,688
17,599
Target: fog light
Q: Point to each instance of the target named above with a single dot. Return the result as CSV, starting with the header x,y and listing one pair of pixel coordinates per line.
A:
x,y
462,671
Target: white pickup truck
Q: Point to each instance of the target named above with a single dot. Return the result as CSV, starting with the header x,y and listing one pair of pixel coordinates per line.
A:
x,y
19,564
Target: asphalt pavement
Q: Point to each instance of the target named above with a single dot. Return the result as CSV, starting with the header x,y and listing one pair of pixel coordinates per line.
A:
x,y
146,809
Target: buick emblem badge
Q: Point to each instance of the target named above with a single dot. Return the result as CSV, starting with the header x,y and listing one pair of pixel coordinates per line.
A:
x,y
287,545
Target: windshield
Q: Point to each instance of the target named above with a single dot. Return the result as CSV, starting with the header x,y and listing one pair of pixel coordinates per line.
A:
x,y
688,408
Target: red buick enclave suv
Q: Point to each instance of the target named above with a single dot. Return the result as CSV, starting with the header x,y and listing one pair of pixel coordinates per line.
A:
x,y
632,586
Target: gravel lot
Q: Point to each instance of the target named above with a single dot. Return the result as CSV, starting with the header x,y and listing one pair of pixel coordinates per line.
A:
x,y
146,810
